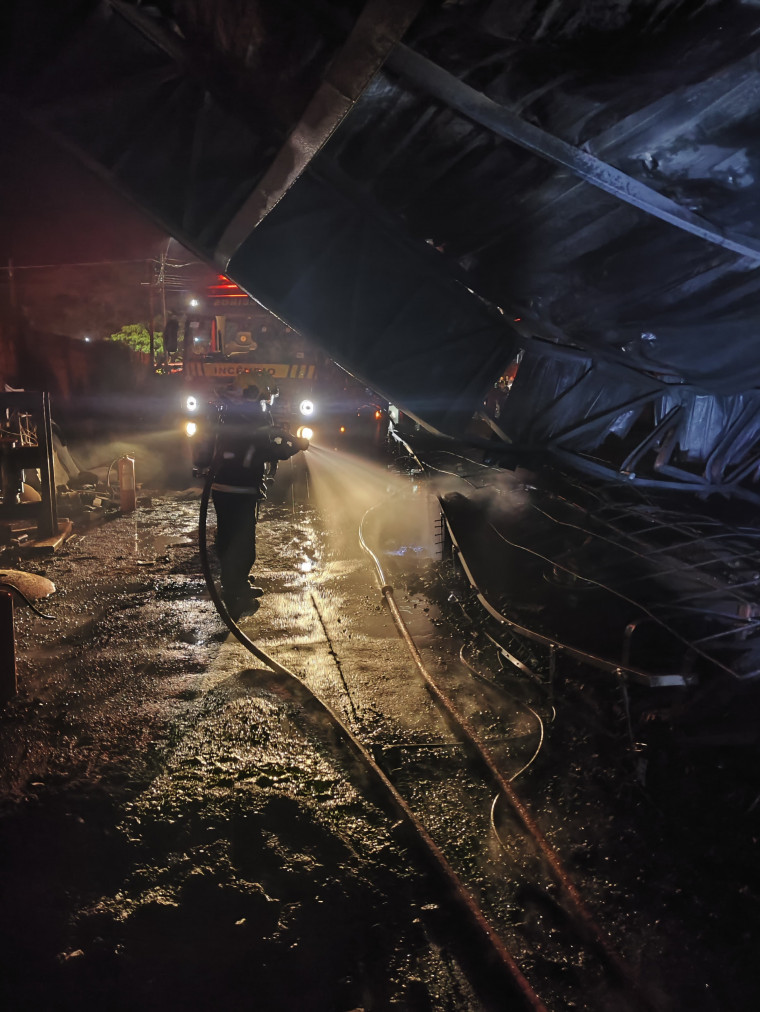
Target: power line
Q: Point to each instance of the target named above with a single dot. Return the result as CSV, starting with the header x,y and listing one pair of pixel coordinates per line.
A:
x,y
91,263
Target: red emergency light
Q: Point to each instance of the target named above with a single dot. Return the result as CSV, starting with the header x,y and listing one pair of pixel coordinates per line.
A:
x,y
225,289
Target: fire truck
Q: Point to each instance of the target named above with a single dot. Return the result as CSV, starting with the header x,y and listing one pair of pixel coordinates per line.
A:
x,y
229,338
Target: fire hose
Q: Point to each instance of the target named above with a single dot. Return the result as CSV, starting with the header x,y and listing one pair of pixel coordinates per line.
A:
x,y
464,899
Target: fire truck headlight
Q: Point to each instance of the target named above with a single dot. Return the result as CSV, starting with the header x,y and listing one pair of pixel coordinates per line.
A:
x,y
191,428
306,408
191,403
304,432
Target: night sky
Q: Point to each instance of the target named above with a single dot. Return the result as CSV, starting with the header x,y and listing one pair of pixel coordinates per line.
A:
x,y
54,210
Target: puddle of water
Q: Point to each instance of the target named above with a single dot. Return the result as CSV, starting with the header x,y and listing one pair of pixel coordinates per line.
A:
x,y
164,541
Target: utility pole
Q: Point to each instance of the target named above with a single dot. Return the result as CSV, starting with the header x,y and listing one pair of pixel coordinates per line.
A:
x,y
162,279
151,322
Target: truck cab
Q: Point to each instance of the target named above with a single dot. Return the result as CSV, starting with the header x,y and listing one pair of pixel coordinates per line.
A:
x,y
225,340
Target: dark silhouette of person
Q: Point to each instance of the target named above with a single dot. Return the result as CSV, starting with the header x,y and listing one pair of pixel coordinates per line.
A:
x,y
171,336
247,449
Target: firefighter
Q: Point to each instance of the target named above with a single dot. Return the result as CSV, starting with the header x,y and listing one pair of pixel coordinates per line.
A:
x,y
247,449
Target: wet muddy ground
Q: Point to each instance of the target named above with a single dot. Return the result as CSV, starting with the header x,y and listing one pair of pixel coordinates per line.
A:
x,y
182,828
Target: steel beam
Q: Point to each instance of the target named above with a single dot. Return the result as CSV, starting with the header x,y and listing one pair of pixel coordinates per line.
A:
x,y
476,106
380,25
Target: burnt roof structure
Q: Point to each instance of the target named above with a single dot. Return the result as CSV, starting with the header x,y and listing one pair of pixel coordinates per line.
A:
x,y
430,190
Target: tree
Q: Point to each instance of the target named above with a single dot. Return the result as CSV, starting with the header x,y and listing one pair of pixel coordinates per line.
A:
x,y
136,337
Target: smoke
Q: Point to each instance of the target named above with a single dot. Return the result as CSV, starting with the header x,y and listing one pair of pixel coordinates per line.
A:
x,y
398,514
162,458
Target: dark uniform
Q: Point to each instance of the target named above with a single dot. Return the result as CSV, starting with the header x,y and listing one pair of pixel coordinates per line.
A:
x,y
246,452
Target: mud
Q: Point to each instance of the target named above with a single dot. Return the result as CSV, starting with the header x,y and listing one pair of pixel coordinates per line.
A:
x,y
183,829
178,829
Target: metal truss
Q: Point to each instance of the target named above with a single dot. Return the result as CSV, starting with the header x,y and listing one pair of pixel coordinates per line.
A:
x,y
690,579
664,597
623,424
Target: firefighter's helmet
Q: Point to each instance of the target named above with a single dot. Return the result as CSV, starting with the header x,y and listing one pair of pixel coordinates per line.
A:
x,y
255,384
